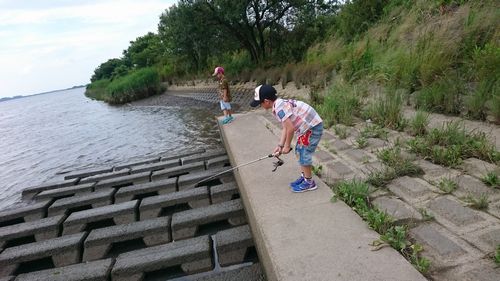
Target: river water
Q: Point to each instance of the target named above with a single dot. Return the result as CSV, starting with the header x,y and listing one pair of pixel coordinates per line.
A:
x,y
43,135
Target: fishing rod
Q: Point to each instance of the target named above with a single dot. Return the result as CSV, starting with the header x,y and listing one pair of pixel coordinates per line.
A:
x,y
275,164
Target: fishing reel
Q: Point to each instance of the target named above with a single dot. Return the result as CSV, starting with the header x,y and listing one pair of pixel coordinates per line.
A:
x,y
277,163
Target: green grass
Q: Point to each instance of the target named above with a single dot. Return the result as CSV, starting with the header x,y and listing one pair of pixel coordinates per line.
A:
x,y
361,142
396,237
451,144
136,85
374,131
402,166
496,257
386,111
492,180
478,203
317,170
418,124
338,106
381,178
341,131
447,185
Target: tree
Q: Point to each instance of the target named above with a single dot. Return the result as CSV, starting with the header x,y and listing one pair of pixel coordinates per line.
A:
x,y
144,51
105,70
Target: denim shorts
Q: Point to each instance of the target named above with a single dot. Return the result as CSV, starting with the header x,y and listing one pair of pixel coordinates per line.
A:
x,y
225,105
305,152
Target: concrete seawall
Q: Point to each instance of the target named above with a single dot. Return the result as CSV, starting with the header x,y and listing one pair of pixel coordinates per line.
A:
x,y
302,236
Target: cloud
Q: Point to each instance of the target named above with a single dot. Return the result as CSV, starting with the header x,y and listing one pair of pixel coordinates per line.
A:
x,y
66,41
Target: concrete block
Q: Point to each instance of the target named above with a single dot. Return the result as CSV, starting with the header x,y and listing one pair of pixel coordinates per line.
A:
x,y
397,209
97,198
176,171
120,213
87,173
155,166
480,270
202,157
128,193
105,176
124,180
223,192
186,223
42,229
153,232
30,212
137,163
339,145
468,185
189,181
359,155
336,171
193,255
90,271
454,212
442,247
217,162
179,155
435,173
248,273
30,192
64,250
232,244
322,156
151,207
412,190
479,168
65,191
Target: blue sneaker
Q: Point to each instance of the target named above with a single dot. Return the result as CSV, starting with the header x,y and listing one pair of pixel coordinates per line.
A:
x,y
297,182
225,120
305,186
229,119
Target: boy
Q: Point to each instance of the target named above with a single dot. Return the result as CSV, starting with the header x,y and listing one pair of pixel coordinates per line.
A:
x,y
296,117
224,94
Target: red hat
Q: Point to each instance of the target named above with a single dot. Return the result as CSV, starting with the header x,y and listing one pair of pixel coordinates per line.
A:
x,y
218,70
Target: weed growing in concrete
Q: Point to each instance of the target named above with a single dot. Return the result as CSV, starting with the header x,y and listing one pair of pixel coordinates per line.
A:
x,y
387,111
422,264
317,170
426,216
492,180
338,106
447,185
396,236
402,166
478,203
355,194
341,131
451,144
362,142
418,124
374,131
496,258
381,178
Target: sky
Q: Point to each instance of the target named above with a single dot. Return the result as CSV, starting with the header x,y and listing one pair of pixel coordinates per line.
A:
x,y
48,45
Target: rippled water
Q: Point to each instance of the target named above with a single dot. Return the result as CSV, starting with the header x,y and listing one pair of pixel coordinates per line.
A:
x,y
43,135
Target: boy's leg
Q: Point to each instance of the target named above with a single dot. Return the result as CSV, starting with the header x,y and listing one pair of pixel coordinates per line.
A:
x,y
305,160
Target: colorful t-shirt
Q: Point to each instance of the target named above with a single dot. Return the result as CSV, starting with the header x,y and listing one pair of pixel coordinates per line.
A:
x,y
302,115
223,84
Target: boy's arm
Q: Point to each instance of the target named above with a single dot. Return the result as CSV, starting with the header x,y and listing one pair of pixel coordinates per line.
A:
x,y
287,132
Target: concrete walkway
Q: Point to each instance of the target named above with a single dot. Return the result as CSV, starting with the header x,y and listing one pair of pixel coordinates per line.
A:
x,y
302,236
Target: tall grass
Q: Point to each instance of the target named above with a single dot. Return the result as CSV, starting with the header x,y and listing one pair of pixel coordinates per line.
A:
x,y
339,105
387,111
136,85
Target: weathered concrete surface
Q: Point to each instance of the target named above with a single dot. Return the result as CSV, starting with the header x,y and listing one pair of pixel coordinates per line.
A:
x,y
105,176
96,199
223,192
151,207
64,250
397,209
193,255
176,171
124,180
120,213
128,193
30,212
65,191
90,271
185,224
302,236
232,244
87,173
42,229
30,192
155,166
247,273
99,241
202,157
